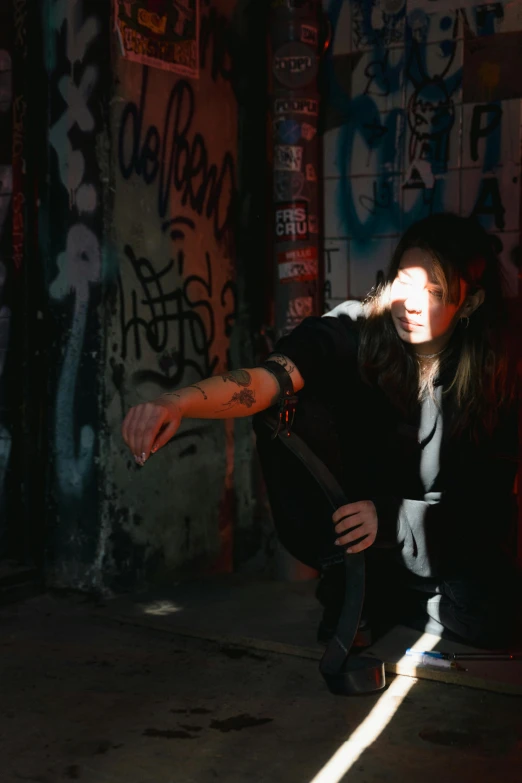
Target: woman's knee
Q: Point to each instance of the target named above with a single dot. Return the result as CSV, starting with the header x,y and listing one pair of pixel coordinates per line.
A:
x,y
483,618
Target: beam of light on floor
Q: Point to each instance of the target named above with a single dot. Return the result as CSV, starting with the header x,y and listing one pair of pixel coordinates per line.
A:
x,y
161,608
373,725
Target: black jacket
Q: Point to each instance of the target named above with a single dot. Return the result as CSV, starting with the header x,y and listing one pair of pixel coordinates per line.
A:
x,y
445,503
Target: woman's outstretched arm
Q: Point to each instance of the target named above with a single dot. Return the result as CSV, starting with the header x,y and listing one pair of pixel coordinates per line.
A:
x,y
150,425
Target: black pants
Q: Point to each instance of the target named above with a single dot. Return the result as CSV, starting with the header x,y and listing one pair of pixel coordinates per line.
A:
x,y
482,608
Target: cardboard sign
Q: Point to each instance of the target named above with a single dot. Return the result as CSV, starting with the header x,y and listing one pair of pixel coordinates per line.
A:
x,y
168,39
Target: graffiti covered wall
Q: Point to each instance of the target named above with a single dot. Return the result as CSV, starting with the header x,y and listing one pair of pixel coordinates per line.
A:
x,y
76,37
418,123
175,171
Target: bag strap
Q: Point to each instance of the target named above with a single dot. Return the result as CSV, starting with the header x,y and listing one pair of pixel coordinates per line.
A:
x,y
344,673
287,400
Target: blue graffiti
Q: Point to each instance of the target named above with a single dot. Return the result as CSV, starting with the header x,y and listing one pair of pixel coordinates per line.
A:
x,y
407,110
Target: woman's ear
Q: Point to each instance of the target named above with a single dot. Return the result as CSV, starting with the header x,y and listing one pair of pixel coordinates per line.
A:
x,y
472,302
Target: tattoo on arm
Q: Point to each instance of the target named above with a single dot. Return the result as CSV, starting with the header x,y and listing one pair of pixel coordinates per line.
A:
x,y
244,397
281,359
172,394
195,386
239,377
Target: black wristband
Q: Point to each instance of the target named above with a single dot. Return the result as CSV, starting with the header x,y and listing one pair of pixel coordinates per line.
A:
x,y
287,400
282,376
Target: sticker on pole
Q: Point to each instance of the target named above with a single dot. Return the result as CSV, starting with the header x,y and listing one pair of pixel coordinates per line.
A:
x,y
288,185
311,174
308,131
297,266
291,221
309,35
299,308
308,106
295,65
287,131
288,158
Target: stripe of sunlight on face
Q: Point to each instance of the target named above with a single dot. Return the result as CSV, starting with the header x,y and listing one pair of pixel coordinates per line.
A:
x,y
374,723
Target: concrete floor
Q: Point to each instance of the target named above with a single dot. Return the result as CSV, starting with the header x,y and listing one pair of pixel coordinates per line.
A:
x,y
85,697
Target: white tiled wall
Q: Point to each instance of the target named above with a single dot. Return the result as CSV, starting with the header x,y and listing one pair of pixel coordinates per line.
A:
x,y
370,157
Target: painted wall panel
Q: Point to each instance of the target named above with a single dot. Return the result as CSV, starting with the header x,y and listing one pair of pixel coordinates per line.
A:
x,y
71,242
385,169
175,172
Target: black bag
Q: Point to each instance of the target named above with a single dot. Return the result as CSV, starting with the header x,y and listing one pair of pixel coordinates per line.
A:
x,y
302,469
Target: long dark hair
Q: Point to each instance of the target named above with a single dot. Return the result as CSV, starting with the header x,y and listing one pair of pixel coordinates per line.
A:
x,y
482,379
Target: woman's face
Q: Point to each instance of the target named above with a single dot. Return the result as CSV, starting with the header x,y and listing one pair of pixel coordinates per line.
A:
x,y
419,313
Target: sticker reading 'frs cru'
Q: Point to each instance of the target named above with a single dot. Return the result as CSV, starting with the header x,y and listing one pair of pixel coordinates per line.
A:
x,y
291,222
297,266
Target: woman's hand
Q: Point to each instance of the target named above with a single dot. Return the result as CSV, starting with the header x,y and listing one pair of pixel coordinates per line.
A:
x,y
360,520
149,426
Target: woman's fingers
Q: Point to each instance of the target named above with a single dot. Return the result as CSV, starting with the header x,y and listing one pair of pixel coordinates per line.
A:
x,y
360,547
356,525
359,539
165,435
353,535
346,511
135,429
348,522
149,425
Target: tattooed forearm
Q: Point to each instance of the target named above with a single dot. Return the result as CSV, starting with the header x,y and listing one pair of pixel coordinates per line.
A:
x,y
283,361
239,377
244,397
172,394
199,389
